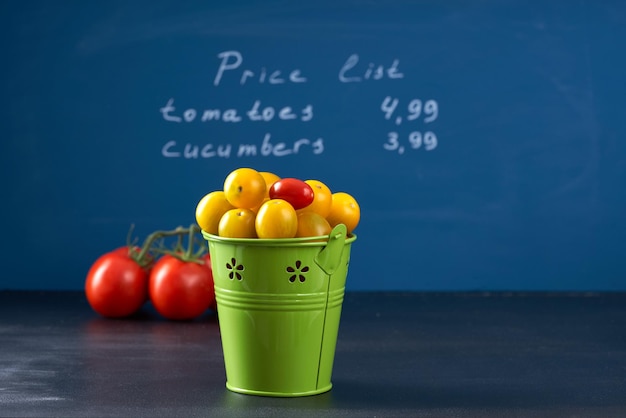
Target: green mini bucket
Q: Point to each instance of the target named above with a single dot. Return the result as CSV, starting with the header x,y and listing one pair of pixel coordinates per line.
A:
x,y
279,305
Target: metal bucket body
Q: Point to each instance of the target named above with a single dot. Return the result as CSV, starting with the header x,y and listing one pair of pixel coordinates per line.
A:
x,y
279,306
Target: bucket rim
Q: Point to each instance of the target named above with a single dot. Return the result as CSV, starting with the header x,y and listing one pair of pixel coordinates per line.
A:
x,y
316,241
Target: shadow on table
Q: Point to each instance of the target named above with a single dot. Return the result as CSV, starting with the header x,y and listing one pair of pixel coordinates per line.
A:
x,y
238,401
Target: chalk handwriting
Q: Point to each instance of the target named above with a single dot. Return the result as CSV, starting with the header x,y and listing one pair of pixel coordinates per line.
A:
x,y
415,139
267,148
232,69
256,113
429,110
351,72
232,60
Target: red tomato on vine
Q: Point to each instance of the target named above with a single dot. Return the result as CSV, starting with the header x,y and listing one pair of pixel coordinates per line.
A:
x,y
181,289
117,283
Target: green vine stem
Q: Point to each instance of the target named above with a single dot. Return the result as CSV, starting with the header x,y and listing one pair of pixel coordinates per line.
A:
x,y
154,244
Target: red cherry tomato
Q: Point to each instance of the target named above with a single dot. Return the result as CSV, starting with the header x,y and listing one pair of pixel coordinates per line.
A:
x,y
116,285
298,193
181,290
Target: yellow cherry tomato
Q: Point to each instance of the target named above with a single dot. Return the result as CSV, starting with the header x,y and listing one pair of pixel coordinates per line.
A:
x,y
256,210
210,210
322,198
237,223
244,188
312,224
276,218
270,178
345,210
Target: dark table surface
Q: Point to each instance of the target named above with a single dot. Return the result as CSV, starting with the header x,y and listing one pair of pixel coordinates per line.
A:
x,y
398,354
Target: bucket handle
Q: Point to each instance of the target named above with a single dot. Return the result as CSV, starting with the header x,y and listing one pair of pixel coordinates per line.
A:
x,y
328,259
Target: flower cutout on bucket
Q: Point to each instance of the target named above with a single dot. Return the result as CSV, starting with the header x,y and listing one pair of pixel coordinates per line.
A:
x,y
234,269
297,272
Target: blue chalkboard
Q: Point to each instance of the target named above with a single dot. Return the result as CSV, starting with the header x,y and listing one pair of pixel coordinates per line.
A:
x,y
484,140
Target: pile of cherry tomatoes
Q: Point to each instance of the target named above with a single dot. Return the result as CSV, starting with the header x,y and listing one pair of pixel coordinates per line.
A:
x,y
260,204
